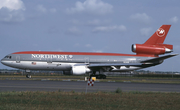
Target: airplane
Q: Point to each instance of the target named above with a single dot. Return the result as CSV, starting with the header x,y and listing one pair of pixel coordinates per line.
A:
x,y
79,63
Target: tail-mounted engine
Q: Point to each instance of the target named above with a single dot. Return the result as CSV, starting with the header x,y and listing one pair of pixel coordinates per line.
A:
x,y
154,50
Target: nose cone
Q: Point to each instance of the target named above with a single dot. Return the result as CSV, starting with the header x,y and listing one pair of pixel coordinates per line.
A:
x,y
7,60
3,62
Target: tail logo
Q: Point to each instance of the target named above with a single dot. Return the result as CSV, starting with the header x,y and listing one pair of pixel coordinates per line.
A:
x,y
160,32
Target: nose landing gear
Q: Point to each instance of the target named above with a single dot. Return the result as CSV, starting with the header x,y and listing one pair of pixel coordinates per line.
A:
x,y
28,74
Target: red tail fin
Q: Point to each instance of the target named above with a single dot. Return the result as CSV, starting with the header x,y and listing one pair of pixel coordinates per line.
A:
x,y
159,36
154,45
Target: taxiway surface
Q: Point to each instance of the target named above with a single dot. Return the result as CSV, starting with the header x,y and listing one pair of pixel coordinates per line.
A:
x,y
80,86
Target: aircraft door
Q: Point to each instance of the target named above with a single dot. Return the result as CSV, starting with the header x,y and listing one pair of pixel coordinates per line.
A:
x,y
86,60
49,60
17,59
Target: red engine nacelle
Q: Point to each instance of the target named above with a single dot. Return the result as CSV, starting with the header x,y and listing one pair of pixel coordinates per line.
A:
x,y
157,49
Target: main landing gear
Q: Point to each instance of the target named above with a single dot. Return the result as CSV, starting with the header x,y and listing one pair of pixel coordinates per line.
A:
x,y
98,76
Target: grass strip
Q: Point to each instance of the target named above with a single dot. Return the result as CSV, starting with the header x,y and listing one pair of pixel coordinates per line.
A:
x,y
134,100
109,79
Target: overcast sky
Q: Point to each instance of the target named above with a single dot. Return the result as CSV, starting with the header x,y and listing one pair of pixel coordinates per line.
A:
x,y
87,26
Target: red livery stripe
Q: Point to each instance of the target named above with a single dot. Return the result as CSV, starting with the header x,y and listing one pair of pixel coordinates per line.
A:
x,y
77,53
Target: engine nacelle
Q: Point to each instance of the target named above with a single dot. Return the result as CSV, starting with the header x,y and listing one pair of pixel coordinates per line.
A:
x,y
77,70
152,49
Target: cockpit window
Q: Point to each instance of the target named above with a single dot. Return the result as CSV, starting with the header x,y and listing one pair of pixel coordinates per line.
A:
x,y
8,57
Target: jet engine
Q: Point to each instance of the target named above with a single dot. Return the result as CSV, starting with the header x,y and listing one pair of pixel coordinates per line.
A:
x,y
77,70
157,49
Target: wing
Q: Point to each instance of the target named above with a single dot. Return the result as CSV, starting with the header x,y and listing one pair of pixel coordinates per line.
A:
x,y
143,64
131,64
113,64
157,59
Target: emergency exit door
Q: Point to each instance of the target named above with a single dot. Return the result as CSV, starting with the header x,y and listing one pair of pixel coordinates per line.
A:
x,y
17,59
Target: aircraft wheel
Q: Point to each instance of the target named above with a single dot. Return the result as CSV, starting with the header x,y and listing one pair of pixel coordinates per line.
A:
x,y
91,76
28,76
104,76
